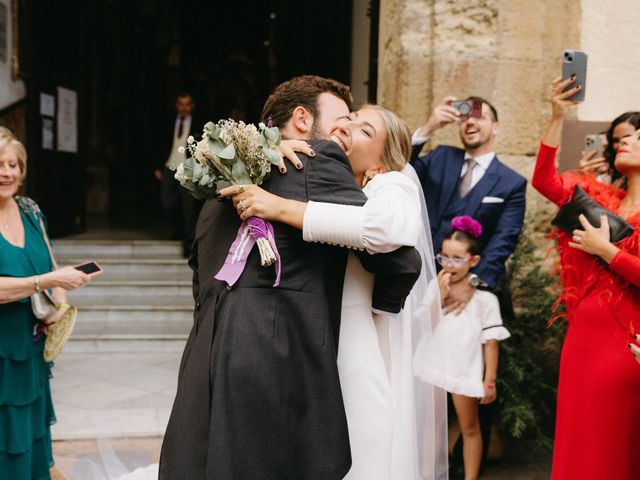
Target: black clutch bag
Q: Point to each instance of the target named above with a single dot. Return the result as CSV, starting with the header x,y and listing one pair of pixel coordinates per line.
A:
x,y
581,203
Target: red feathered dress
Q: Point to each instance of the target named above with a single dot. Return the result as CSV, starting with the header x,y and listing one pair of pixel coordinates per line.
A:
x,y
598,414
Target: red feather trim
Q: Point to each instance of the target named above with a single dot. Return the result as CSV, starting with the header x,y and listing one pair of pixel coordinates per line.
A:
x,y
580,272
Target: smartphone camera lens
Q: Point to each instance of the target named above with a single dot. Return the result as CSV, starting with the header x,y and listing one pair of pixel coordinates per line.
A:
x,y
569,58
463,107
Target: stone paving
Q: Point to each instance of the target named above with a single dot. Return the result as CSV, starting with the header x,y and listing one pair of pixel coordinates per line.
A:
x,y
113,409
113,395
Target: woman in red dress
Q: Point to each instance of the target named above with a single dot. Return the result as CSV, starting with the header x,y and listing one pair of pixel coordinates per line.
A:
x,y
598,412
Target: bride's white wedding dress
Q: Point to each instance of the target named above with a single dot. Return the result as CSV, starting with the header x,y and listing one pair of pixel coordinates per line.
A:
x,y
397,424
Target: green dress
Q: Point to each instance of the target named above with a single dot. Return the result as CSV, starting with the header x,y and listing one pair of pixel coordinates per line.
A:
x,y
26,409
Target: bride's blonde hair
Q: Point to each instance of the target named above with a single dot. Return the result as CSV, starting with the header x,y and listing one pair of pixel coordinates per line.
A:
x,y
397,144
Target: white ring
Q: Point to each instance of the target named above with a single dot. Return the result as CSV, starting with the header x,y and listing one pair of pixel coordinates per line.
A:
x,y
242,207
577,238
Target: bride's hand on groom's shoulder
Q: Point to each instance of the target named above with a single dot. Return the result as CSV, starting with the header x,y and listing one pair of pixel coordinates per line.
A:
x,y
288,148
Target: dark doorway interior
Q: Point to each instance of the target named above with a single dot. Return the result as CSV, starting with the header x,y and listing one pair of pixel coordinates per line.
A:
x,y
127,59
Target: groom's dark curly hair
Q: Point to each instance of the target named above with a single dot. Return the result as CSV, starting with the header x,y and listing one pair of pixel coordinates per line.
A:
x,y
302,91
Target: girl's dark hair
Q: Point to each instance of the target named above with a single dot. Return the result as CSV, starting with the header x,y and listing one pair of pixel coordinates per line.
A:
x,y
632,118
473,244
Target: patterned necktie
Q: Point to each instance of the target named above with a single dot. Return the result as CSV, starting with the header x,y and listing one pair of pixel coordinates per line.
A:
x,y
465,183
180,127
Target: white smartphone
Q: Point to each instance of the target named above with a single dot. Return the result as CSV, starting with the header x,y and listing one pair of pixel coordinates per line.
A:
x,y
593,142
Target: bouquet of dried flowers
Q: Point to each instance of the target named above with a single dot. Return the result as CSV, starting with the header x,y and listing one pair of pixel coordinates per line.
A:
x,y
234,153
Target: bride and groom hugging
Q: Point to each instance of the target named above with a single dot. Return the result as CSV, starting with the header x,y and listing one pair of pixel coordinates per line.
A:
x,y
264,392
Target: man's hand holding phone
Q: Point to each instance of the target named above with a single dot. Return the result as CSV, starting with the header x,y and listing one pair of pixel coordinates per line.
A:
x,y
443,114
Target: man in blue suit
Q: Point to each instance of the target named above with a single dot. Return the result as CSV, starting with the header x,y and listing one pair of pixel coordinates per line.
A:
x,y
472,181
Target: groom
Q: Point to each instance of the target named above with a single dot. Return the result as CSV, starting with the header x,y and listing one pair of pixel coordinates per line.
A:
x,y
258,391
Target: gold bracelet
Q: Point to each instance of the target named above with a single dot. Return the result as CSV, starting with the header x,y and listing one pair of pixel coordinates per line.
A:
x,y
36,284
62,305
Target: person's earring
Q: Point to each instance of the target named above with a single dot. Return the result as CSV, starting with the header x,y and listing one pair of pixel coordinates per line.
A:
x,y
366,180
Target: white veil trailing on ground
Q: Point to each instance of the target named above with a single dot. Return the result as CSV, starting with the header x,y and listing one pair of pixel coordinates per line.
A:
x,y
420,409
105,463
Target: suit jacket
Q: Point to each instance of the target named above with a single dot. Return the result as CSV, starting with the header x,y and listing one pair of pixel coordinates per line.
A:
x,y
497,201
258,391
165,138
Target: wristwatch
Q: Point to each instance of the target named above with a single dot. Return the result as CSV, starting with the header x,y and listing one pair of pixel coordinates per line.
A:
x,y
474,280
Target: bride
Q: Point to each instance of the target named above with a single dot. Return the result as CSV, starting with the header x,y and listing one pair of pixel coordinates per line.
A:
x,y
397,423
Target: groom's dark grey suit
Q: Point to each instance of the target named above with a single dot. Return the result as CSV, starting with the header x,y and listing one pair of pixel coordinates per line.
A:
x,y
258,393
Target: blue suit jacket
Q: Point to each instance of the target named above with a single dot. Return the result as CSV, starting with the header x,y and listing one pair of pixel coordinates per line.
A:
x,y
439,172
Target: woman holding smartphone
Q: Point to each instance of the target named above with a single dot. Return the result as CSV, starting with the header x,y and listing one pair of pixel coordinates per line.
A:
x,y
603,166
26,267
598,411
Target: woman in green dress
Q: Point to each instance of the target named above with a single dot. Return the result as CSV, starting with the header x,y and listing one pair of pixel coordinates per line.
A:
x,y
26,410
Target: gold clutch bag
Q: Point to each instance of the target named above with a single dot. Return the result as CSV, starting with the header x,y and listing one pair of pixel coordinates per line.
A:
x,y
58,334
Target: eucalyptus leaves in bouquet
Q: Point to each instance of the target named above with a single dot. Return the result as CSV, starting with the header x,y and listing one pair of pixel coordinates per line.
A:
x,y
234,153
230,153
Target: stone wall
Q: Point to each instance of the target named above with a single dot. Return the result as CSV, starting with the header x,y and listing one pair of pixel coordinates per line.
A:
x,y
507,51
609,35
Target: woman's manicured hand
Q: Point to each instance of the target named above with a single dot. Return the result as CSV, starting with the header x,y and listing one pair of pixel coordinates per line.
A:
x,y
560,94
288,148
590,163
253,201
596,241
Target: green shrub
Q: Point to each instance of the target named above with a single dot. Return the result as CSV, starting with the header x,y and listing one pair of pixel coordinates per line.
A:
x,y
527,380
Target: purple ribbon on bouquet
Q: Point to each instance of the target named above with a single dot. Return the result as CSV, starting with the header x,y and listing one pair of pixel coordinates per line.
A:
x,y
250,231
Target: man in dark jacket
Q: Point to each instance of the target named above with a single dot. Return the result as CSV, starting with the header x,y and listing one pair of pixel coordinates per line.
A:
x,y
258,393
182,209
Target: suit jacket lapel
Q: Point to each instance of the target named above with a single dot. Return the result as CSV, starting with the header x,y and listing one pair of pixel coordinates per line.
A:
x,y
482,188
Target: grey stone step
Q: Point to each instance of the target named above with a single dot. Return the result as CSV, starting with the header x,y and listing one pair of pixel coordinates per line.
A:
x,y
134,320
131,303
138,268
141,290
97,249
125,343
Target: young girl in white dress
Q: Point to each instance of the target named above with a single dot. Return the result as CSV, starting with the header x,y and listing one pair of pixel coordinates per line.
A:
x,y
462,355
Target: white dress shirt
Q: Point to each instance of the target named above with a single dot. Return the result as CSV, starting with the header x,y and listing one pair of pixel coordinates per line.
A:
x,y
176,157
482,162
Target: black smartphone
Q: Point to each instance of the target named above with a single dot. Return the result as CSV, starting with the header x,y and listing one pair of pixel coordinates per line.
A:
x,y
89,267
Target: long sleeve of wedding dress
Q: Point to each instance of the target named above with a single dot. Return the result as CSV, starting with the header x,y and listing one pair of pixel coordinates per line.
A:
x,y
390,218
